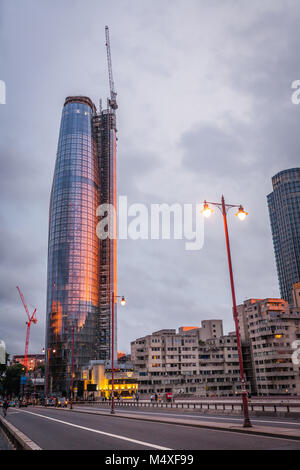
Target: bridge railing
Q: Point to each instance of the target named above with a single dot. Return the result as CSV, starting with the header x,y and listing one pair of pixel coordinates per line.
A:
x,y
255,406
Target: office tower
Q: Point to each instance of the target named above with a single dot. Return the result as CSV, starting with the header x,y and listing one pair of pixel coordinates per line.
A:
x,y
81,267
284,210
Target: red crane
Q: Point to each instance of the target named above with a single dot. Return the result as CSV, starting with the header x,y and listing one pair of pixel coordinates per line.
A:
x,y
28,323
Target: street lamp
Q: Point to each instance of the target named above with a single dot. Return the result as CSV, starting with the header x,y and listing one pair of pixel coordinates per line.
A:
x,y
72,369
47,375
34,387
72,364
123,303
241,214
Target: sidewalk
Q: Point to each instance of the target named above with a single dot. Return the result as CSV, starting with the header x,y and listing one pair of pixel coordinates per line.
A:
x,y
256,430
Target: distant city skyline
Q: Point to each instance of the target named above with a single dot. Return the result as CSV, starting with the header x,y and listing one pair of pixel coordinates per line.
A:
x,y
205,109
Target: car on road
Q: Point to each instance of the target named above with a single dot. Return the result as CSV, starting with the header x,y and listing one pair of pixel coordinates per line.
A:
x,y
62,402
49,402
22,403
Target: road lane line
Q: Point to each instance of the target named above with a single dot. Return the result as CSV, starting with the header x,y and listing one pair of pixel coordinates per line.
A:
x,y
116,436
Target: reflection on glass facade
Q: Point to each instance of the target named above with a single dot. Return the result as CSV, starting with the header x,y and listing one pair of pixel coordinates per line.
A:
x,y
284,210
79,282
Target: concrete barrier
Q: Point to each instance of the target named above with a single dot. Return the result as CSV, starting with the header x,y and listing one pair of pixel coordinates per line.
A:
x,y
19,440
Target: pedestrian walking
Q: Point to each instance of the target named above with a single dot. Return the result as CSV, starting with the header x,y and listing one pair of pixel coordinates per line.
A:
x,y
5,406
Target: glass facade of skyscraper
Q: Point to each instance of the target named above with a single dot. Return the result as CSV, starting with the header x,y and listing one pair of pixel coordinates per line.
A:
x,y
76,283
284,210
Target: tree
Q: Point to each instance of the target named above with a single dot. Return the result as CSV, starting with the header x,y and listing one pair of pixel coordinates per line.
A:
x,y
11,380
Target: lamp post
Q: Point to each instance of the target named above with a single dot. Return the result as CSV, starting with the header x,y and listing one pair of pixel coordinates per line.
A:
x,y
122,302
72,368
34,387
72,364
207,211
47,374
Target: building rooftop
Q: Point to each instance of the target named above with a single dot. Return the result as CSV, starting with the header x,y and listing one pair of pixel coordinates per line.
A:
x,y
80,99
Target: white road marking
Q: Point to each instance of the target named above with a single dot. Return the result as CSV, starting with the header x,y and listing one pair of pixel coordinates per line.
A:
x,y
116,436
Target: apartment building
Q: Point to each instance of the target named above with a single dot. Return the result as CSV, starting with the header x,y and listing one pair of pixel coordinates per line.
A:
x,y
268,328
196,361
219,370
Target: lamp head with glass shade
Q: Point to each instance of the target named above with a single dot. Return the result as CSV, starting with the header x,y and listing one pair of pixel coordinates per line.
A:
x,y
206,211
241,214
123,301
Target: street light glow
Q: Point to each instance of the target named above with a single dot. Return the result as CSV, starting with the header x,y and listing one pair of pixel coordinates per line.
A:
x,y
241,214
123,301
206,211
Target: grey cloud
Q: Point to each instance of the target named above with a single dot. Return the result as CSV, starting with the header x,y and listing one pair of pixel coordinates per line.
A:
x,y
208,149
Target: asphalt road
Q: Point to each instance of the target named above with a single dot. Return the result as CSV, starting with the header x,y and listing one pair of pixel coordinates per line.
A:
x,y
55,429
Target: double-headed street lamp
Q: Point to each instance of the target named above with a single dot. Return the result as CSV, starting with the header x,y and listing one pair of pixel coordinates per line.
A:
x,y
122,302
241,214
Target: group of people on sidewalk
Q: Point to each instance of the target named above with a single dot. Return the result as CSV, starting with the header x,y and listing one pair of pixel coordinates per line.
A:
x,y
155,397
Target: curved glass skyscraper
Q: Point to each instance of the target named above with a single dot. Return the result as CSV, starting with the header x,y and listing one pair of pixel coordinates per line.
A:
x,y
81,268
284,210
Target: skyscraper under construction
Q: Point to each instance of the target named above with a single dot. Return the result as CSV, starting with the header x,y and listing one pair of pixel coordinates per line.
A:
x,y
81,267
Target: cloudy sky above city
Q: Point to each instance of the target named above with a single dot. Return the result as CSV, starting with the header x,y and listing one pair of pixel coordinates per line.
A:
x,y
205,109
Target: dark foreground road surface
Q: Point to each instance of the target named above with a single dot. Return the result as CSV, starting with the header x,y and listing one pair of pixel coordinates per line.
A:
x,y
53,429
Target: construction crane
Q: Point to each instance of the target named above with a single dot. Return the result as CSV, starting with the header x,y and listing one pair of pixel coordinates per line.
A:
x,y
113,95
28,323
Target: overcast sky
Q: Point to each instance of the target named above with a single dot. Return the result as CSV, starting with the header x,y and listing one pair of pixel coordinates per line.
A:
x,y
204,93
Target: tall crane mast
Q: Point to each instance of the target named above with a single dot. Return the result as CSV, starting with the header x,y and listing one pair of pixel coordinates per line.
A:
x,y
113,95
28,323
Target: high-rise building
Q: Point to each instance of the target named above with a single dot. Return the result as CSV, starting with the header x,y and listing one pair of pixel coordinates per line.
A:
x,y
81,267
284,210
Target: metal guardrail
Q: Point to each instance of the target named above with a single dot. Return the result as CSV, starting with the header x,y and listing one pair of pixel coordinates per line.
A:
x,y
204,406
